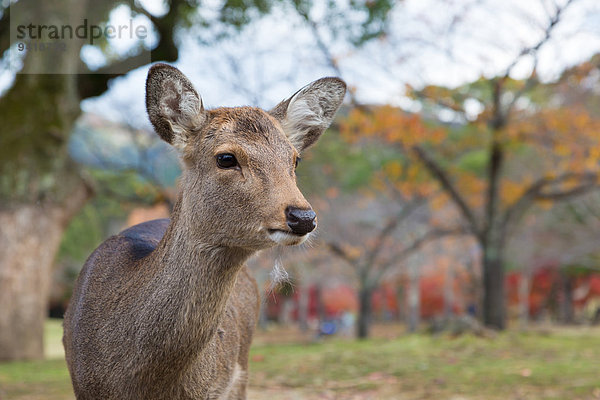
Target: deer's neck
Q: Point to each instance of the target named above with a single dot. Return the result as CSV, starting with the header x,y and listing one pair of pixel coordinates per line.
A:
x,y
189,290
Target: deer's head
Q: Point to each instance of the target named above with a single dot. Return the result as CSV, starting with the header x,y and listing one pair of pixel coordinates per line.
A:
x,y
238,182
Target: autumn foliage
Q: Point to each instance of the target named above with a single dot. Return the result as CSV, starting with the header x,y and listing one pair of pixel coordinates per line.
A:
x,y
491,150
552,137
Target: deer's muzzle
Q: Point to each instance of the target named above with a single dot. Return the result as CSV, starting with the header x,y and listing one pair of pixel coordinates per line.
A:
x,y
300,221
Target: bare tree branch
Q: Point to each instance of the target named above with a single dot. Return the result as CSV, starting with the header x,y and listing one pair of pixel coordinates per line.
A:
x,y
329,57
440,175
529,84
95,83
500,117
141,10
547,33
331,61
566,194
441,103
415,246
389,229
426,238
534,192
339,251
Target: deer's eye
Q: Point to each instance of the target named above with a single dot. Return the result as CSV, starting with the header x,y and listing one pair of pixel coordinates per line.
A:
x,y
298,159
227,161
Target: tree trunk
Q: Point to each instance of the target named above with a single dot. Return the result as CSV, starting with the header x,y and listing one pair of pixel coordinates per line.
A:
x,y
38,185
566,311
40,188
303,303
400,303
365,310
494,308
29,239
320,305
524,297
474,291
37,115
285,311
449,293
414,298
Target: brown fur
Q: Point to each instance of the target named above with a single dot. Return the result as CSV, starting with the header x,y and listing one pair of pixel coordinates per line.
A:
x,y
166,309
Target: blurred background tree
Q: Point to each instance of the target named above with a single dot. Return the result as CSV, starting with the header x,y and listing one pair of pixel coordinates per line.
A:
x,y
526,142
40,186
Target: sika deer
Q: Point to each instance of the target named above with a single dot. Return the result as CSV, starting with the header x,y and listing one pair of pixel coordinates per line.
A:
x,y
166,309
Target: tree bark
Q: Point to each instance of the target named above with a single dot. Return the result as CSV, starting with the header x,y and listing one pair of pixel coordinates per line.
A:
x,y
494,308
320,304
400,301
365,310
29,239
303,303
37,115
449,293
524,297
566,311
414,298
39,186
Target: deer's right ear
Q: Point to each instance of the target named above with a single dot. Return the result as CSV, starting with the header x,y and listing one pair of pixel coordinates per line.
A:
x,y
306,115
174,107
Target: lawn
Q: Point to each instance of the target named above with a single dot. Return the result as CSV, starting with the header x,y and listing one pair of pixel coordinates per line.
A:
x,y
558,364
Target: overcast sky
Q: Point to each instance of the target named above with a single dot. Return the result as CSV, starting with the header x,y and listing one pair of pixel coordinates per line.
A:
x,y
446,42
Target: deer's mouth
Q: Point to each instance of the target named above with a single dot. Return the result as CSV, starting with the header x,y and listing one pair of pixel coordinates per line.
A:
x,y
286,238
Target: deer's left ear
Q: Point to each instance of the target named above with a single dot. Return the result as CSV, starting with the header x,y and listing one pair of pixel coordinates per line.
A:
x,y
306,115
174,107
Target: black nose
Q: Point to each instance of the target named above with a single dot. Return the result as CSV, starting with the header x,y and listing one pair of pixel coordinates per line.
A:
x,y
300,221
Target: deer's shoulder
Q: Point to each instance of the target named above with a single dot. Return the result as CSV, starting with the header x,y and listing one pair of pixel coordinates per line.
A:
x,y
143,238
123,251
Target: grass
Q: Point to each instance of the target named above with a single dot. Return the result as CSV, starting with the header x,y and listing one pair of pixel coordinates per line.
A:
x,y
53,331
510,366
48,379
563,364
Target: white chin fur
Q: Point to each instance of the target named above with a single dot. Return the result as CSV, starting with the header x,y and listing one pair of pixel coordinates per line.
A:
x,y
287,239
